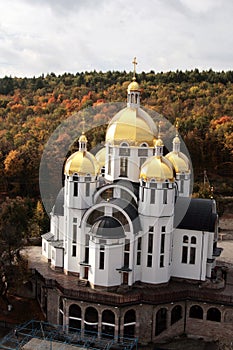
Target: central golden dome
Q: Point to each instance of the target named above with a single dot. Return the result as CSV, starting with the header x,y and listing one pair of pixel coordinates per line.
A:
x,y
131,125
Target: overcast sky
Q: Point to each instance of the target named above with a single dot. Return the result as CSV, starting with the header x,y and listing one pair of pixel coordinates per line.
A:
x,y
43,36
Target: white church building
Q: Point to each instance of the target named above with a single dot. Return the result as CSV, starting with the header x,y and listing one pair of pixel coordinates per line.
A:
x,y
126,215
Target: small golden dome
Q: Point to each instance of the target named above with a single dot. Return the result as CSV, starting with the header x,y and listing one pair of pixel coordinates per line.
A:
x,y
133,86
158,168
179,161
100,157
82,163
176,139
83,137
159,143
132,125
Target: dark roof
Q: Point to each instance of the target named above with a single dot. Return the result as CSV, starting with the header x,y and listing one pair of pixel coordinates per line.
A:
x,y
130,210
108,227
195,214
48,236
58,208
57,244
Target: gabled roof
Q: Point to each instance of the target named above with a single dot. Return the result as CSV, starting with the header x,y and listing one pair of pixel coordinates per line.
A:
x,y
199,214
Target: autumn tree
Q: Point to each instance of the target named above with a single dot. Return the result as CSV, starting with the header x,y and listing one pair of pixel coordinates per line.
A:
x,y
14,214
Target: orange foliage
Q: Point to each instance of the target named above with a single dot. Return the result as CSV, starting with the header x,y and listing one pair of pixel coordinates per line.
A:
x,y
99,102
17,108
51,99
13,163
220,121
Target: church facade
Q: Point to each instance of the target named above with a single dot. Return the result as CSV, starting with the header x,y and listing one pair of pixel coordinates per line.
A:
x,y
125,227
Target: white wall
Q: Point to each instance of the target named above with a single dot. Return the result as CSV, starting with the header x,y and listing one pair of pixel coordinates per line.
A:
x,y
195,271
57,259
109,276
46,249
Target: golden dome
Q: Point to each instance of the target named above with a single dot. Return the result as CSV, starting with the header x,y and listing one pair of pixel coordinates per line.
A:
x,y
158,168
82,138
132,125
82,163
100,157
133,86
159,143
176,139
179,161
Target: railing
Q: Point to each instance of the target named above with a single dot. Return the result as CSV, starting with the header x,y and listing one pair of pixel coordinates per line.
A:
x,y
145,296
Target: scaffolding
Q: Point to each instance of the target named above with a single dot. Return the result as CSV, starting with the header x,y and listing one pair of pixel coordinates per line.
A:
x,y
49,336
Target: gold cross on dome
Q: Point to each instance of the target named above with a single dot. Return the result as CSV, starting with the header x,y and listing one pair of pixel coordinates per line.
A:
x,y
134,68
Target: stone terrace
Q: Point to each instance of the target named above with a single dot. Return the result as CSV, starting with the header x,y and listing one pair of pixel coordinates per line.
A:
x,y
175,290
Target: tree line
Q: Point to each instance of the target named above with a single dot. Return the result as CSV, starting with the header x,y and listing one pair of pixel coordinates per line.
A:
x,y
98,80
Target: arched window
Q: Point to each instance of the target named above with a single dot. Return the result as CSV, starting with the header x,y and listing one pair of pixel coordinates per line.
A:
x,y
193,240
143,151
75,316
188,250
124,144
129,323
91,319
108,323
161,321
176,314
196,312
75,311
124,149
213,314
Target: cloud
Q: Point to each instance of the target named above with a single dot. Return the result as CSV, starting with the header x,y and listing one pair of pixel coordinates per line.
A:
x,y
69,35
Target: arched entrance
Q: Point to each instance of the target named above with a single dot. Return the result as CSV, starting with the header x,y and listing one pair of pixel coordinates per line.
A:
x,y
161,321
91,320
176,314
108,323
213,314
129,323
75,316
196,312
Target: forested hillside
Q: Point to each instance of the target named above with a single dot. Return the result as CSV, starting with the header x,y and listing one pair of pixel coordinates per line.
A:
x,y
32,108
